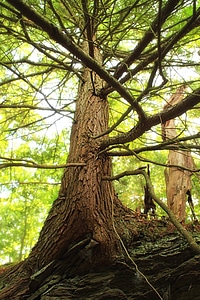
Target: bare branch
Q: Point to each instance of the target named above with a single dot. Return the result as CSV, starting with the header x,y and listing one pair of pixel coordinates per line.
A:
x,y
167,45
149,35
31,107
161,146
17,162
40,166
165,115
146,160
65,40
189,238
89,29
194,246
30,183
123,174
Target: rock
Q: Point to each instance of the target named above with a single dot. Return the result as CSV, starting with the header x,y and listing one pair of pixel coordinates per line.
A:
x,y
162,268
114,294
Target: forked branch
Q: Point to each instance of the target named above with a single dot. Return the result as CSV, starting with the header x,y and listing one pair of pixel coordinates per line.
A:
x,y
66,40
144,125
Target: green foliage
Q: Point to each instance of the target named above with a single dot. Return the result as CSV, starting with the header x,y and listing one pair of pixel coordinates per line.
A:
x,y
27,194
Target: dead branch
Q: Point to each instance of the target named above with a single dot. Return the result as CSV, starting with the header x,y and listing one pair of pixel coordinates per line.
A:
x,y
40,166
194,246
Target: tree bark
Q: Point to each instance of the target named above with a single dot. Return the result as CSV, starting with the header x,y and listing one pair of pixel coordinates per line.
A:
x,y
178,180
83,213
84,207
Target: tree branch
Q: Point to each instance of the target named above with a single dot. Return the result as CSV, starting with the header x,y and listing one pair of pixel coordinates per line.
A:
x,y
123,174
160,164
165,115
189,238
16,106
30,183
149,35
40,166
119,121
65,40
89,29
173,144
167,45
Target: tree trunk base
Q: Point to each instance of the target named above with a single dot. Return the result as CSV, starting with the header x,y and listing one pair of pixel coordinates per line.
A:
x,y
163,264
174,274
167,264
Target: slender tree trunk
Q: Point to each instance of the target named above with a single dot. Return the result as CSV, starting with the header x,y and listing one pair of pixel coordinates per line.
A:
x,y
178,180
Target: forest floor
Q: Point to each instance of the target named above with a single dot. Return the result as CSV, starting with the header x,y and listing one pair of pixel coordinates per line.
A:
x,y
162,266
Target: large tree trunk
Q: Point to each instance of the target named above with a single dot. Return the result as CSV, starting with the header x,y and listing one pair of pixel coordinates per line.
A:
x,y
83,212
84,206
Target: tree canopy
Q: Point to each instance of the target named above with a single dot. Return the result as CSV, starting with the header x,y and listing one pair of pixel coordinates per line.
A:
x,y
148,49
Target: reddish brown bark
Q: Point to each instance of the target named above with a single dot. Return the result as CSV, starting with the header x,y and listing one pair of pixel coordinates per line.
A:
x,y
84,207
178,180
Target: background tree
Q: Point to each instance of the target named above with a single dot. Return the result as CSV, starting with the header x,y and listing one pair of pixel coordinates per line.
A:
x,y
178,180
96,58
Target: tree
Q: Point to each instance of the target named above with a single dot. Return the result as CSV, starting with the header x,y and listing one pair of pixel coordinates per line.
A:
x,y
178,181
121,57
